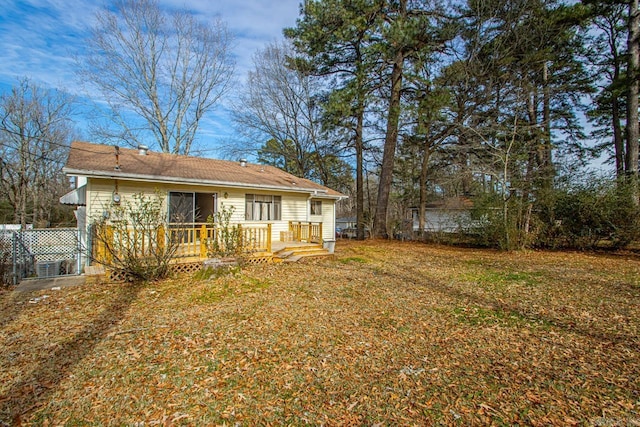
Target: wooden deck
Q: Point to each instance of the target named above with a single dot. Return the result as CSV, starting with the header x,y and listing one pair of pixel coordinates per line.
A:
x,y
302,240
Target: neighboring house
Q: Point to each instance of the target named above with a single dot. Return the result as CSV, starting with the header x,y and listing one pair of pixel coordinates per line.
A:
x,y
445,215
288,207
347,228
346,222
14,227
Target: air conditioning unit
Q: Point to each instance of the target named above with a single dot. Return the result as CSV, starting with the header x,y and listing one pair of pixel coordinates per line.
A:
x,y
48,268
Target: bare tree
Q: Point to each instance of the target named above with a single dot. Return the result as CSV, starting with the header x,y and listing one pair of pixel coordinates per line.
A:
x,y
34,135
159,72
279,106
281,109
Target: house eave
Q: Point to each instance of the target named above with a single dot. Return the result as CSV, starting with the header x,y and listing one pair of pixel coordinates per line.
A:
x,y
178,180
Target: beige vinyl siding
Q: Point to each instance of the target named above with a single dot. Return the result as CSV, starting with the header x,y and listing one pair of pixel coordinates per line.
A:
x,y
100,194
328,220
318,218
235,199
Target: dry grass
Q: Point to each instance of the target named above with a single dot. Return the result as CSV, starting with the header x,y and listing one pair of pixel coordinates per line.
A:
x,y
386,333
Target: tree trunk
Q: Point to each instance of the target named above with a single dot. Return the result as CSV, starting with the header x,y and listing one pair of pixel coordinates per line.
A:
x,y
424,169
360,226
618,142
546,163
631,167
390,142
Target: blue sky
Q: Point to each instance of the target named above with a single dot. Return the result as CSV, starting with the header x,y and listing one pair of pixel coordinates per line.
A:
x,y
40,38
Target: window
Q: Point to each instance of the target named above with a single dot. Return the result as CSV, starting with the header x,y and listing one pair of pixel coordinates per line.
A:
x,y
187,207
180,207
260,207
316,207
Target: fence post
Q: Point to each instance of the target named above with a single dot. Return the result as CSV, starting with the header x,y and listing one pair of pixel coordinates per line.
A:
x,y
14,257
78,254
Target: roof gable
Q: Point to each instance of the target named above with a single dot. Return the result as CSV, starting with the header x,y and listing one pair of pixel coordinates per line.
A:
x,y
97,160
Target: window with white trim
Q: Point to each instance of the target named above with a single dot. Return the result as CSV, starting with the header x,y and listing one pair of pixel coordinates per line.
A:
x,y
316,207
263,207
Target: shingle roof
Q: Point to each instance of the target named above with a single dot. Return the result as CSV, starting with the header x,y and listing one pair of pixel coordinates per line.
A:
x,y
99,160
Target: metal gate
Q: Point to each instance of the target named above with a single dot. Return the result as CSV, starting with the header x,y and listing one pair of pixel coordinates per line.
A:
x,y
41,253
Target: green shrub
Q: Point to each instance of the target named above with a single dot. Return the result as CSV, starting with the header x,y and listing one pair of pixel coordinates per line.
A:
x,y
227,240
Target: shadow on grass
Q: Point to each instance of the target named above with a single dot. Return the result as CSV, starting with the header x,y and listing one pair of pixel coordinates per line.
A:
x,y
569,324
34,389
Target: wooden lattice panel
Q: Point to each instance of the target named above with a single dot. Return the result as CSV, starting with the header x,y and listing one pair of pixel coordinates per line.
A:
x,y
121,276
116,275
190,267
259,259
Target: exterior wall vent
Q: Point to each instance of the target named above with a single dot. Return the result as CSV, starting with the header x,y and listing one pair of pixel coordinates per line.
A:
x,y
143,150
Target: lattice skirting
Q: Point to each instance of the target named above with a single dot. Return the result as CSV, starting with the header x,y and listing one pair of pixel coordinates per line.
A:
x,y
188,267
116,275
259,259
185,267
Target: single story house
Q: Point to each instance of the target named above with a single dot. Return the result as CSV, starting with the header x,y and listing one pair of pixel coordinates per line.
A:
x,y
446,215
284,206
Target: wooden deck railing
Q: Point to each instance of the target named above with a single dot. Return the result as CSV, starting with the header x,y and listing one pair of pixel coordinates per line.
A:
x,y
191,240
306,231
256,238
195,238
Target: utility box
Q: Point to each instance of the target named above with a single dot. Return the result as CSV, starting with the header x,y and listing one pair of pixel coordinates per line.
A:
x,y
48,268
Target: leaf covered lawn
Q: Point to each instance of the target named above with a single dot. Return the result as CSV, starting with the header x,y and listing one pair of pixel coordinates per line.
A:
x,y
384,333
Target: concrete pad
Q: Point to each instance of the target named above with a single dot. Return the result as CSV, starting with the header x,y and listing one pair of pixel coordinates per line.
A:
x,y
30,285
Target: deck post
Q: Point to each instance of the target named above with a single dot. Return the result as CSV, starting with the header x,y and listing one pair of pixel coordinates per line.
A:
x,y
203,241
269,237
110,241
320,233
161,238
240,238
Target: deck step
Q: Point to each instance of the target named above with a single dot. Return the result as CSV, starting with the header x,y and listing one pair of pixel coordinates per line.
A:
x,y
94,270
283,254
307,250
313,254
299,248
295,253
